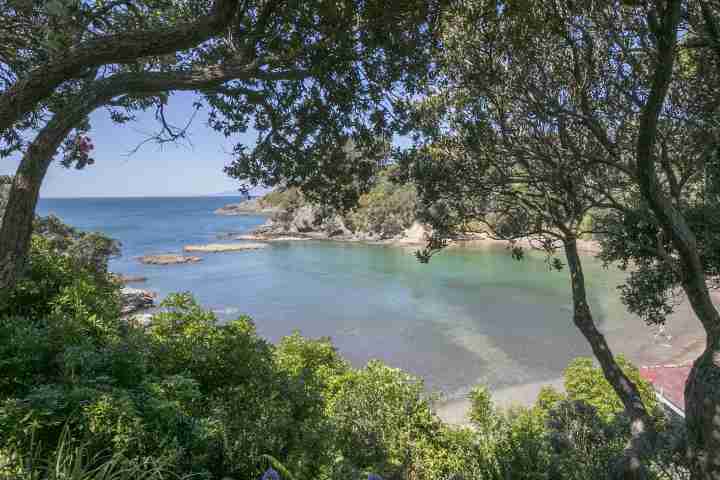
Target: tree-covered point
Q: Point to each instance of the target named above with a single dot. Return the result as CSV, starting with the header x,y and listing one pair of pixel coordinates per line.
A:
x,y
387,208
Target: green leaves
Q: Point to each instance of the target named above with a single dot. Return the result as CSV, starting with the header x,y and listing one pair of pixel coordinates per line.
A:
x,y
377,412
585,382
57,8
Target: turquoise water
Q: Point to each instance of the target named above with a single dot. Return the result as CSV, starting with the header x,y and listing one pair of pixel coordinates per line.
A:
x,y
470,316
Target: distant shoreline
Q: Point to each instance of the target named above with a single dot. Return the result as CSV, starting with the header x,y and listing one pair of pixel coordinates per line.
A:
x,y
130,197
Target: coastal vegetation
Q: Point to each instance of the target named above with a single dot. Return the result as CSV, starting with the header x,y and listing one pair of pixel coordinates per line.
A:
x,y
542,121
536,116
384,212
87,394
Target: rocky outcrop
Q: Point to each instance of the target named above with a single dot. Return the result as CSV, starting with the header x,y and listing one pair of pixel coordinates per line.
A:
x,y
248,207
168,259
416,234
308,222
134,300
303,220
224,247
307,219
125,279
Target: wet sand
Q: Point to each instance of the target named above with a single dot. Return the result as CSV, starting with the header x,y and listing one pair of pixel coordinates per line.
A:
x,y
455,411
683,340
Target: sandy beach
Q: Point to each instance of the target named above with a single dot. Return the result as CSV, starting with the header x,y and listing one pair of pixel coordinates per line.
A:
x,y
455,411
682,342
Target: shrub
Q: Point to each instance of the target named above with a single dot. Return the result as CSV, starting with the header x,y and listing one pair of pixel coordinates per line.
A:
x,y
83,301
455,453
378,413
186,339
316,363
585,382
585,445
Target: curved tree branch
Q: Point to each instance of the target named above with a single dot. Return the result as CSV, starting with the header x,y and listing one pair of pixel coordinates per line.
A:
x,y
17,224
126,47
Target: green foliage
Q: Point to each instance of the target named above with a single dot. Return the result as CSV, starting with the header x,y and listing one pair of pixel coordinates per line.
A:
x,y
482,410
515,443
64,281
584,445
316,362
548,398
386,210
87,249
187,340
74,461
378,412
586,383
455,453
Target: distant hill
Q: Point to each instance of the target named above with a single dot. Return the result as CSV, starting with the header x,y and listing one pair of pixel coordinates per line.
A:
x,y
253,193
232,193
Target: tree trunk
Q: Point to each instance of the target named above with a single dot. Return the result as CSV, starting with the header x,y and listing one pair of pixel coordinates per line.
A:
x,y
702,413
643,433
17,222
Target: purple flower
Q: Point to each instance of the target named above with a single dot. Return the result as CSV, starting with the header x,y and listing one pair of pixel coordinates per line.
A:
x,y
270,474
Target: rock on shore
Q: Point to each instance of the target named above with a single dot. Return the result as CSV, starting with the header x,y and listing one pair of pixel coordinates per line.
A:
x,y
306,223
125,279
168,259
266,238
224,247
134,300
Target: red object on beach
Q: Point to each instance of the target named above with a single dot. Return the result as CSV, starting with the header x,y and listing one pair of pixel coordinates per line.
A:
x,y
668,381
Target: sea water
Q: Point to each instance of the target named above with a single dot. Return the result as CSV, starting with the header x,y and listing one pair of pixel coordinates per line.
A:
x,y
470,316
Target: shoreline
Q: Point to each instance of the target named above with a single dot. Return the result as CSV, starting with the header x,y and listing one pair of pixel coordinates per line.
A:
x,y
455,411
415,235
687,342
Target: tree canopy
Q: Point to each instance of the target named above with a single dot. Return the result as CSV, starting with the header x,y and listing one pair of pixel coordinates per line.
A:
x,y
307,76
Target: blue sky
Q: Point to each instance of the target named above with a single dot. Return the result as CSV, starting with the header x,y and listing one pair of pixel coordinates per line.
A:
x,y
180,170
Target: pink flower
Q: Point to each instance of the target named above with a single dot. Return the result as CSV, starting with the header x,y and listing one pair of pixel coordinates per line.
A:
x,y
85,144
